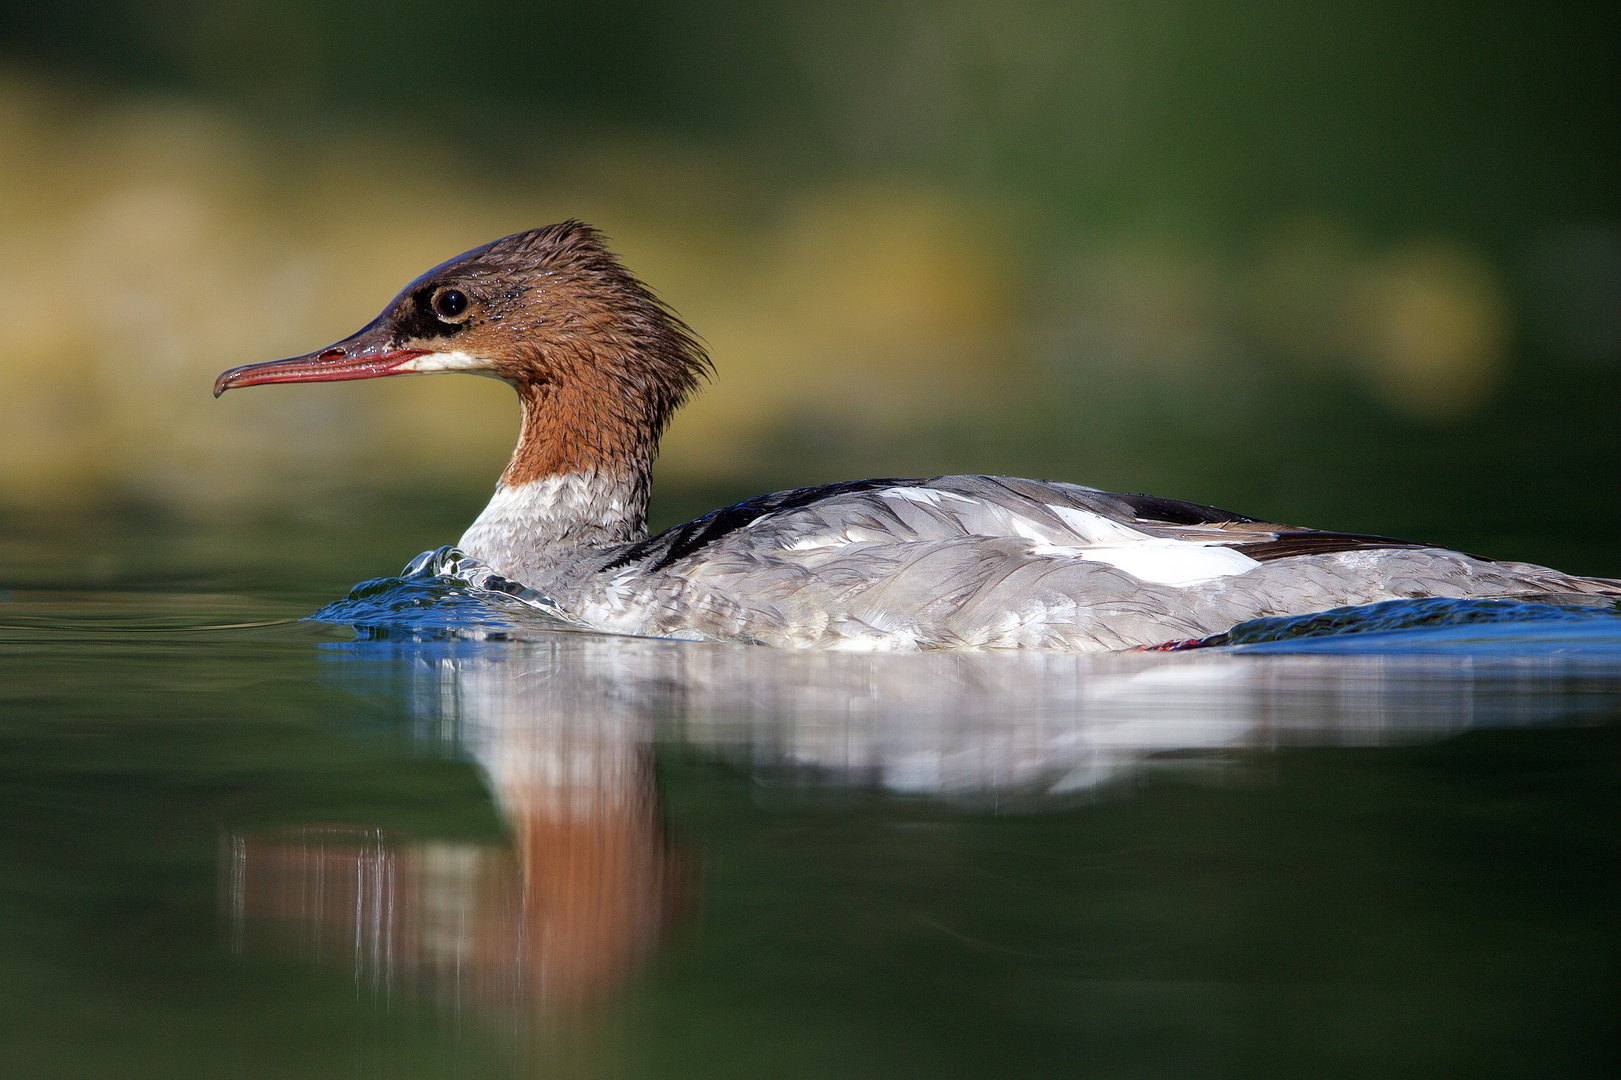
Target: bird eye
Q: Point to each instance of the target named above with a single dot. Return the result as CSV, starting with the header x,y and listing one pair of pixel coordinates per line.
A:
x,y
450,304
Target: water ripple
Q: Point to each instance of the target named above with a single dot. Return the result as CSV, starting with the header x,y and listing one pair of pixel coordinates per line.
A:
x,y
442,594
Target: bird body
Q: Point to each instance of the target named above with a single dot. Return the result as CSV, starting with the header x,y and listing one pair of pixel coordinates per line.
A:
x,y
971,561
946,562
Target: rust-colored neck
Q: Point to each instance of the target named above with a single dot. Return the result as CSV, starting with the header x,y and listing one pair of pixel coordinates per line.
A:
x,y
572,426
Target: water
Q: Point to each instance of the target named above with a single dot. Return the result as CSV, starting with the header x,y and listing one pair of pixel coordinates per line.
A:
x,y
467,842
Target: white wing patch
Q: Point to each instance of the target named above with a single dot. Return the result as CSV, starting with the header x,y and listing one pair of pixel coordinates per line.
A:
x,y
1095,528
1148,558
1084,535
818,540
1164,562
927,496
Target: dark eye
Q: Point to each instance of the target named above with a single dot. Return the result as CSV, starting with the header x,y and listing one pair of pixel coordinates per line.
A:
x,y
450,304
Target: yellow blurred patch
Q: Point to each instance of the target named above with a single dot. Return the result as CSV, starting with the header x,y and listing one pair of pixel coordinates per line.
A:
x,y
1430,329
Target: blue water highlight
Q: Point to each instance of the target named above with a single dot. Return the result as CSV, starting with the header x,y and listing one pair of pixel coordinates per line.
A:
x,y
443,594
1482,627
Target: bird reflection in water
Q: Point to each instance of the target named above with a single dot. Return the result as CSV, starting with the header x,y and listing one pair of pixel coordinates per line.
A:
x,y
549,924
563,727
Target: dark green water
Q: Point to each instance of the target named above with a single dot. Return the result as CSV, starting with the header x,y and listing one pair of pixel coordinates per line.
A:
x,y
237,845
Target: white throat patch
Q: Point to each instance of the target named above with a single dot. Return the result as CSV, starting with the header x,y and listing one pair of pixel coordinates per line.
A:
x,y
521,520
435,362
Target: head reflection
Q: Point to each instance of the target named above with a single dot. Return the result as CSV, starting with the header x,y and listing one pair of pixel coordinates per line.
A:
x,y
552,922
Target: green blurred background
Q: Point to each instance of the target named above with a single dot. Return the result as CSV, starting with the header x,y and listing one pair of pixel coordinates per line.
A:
x,y
1350,267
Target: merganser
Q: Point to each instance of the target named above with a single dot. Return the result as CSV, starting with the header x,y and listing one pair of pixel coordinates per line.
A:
x,y
600,364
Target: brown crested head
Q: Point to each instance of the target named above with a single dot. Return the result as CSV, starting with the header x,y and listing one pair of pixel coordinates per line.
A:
x,y
599,361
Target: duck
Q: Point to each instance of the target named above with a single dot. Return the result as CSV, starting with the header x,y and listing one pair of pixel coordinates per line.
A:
x,y
600,365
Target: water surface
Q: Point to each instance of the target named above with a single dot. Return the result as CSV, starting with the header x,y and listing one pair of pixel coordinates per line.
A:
x,y
243,844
